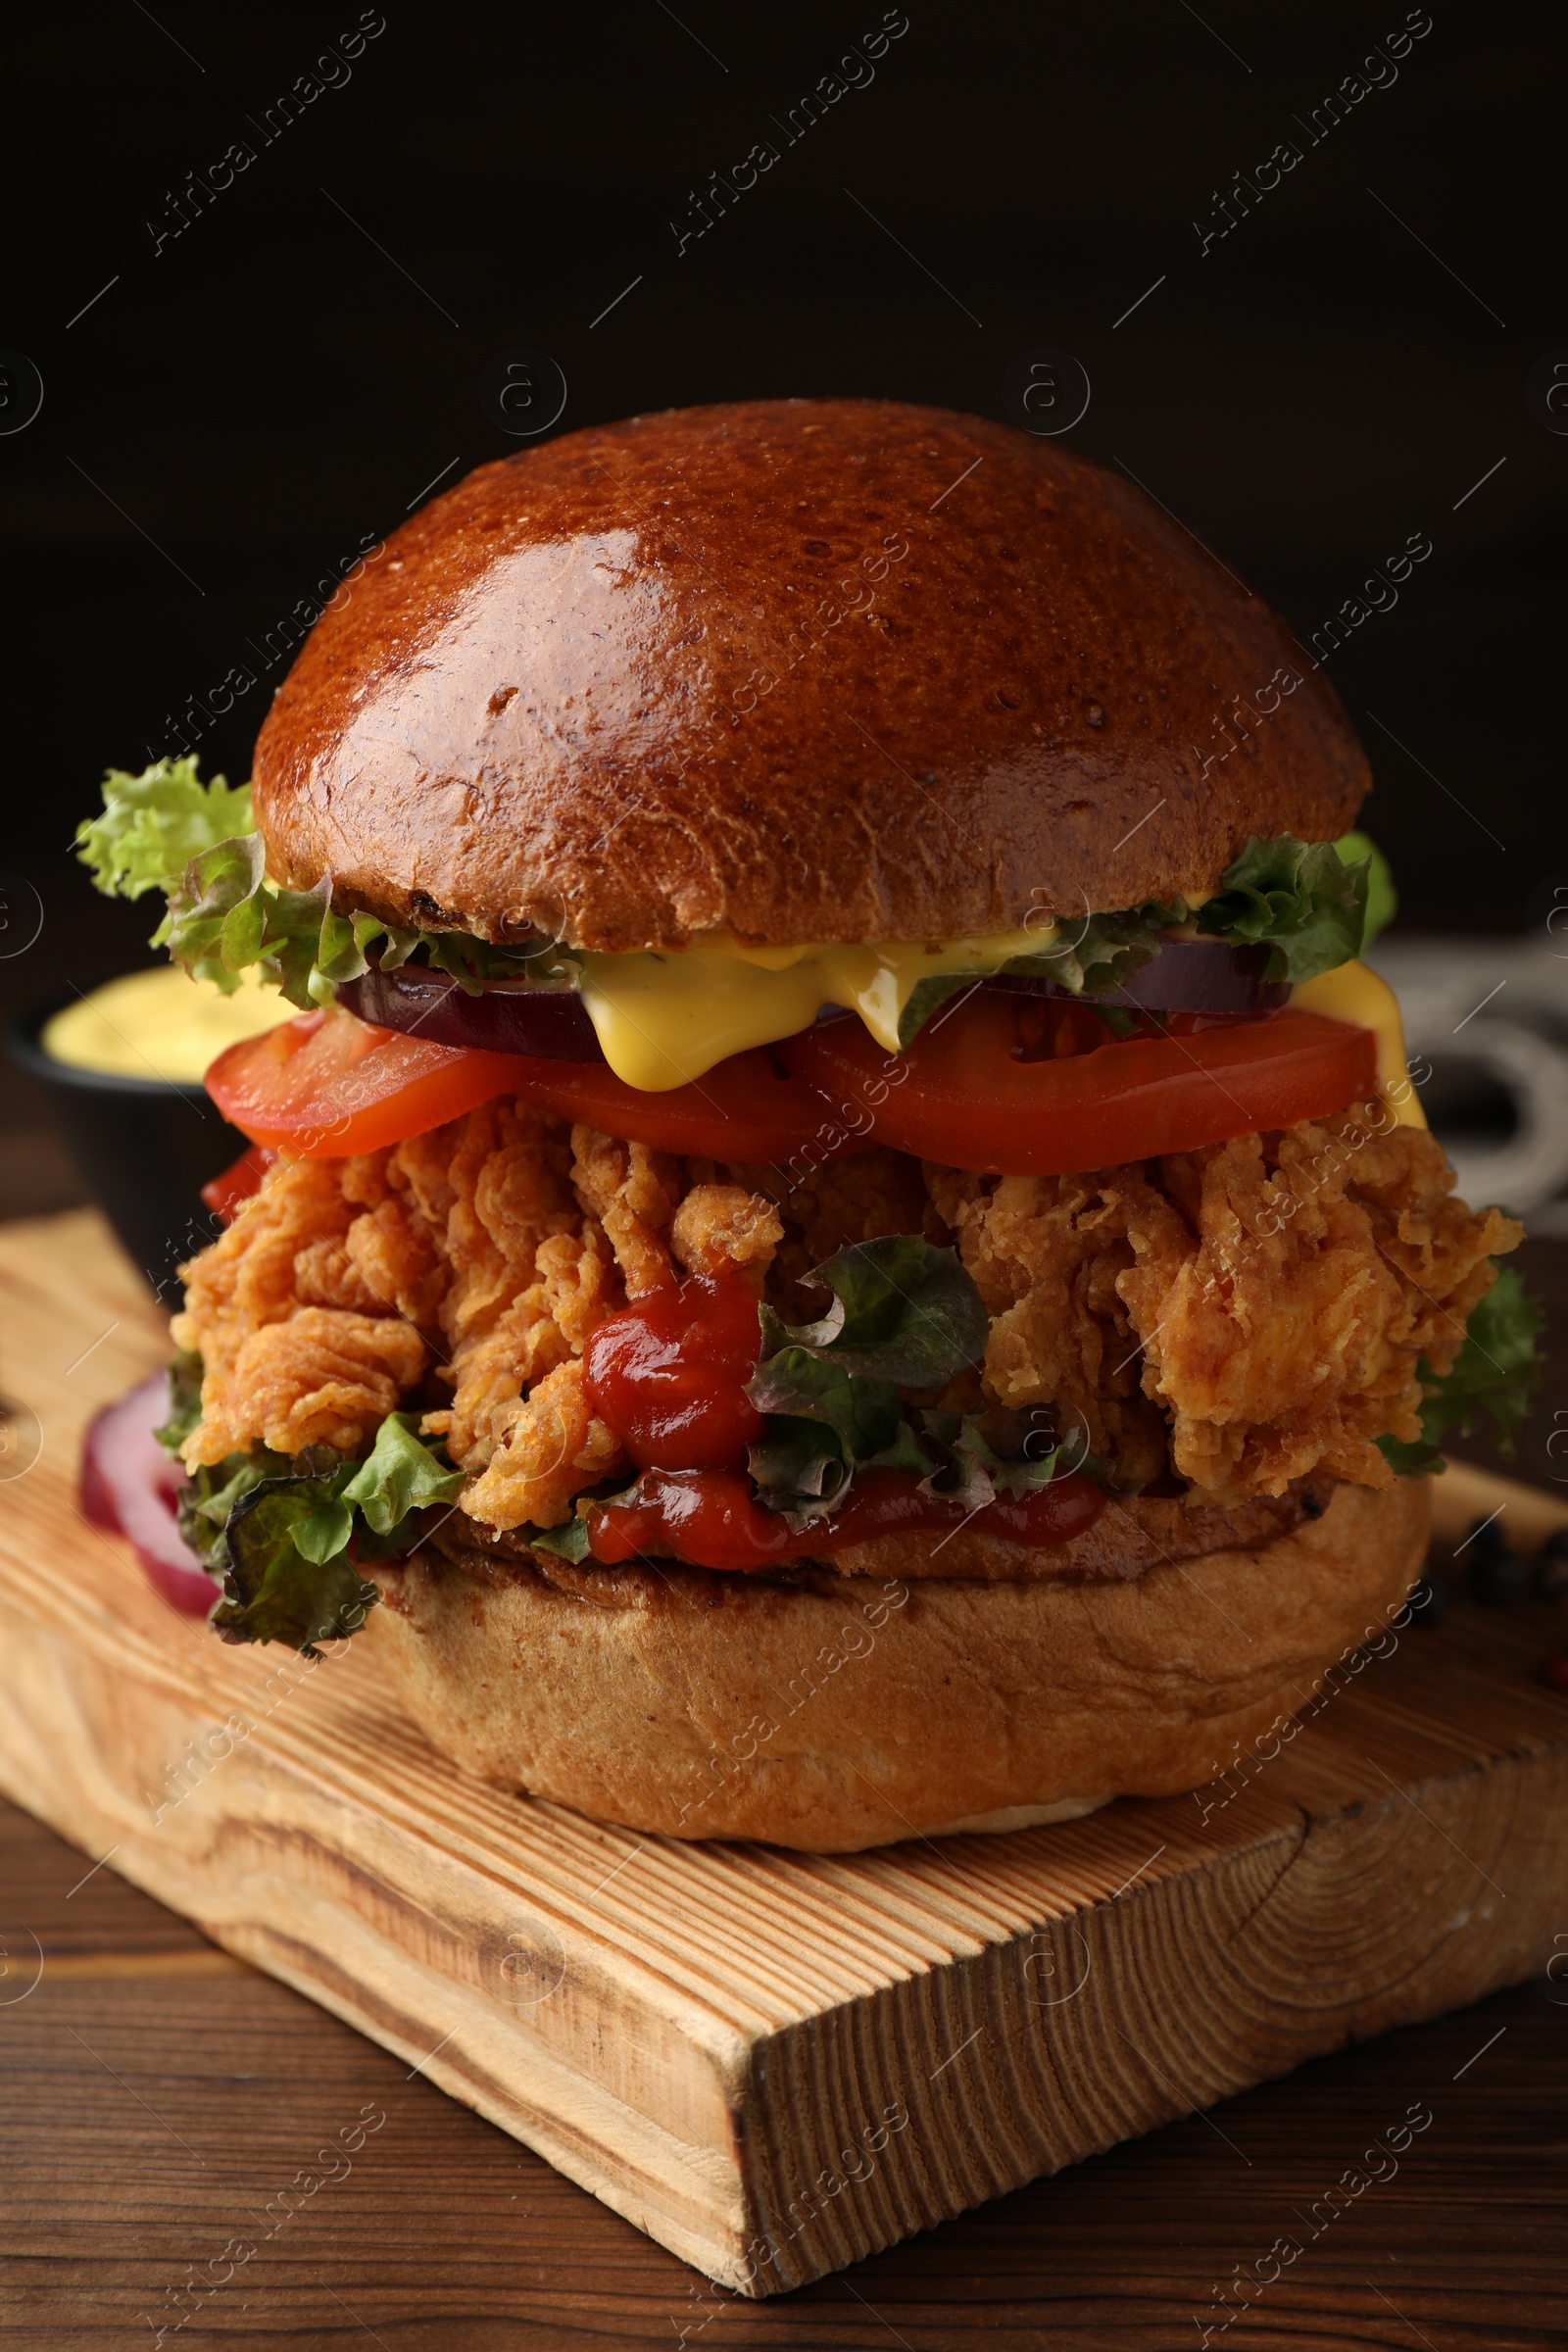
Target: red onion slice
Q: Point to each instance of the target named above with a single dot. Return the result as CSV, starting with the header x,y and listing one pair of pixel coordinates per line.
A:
x,y
511,1016
1186,975
551,1024
128,1484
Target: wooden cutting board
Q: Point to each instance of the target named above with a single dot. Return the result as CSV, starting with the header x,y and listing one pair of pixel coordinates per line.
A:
x,y
773,2063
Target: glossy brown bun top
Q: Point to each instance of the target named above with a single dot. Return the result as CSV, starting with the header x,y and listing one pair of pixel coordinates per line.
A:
x,y
826,670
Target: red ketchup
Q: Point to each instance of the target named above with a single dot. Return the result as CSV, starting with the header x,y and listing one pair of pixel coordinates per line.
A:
x,y
708,1517
670,1376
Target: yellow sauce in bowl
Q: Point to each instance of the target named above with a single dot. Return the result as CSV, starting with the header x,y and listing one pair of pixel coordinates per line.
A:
x,y
160,1024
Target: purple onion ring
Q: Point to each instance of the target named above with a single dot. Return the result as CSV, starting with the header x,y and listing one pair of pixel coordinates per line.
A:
x,y
551,1024
511,1016
1186,975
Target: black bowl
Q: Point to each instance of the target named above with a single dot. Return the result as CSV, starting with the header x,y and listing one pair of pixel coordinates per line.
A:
x,y
144,1148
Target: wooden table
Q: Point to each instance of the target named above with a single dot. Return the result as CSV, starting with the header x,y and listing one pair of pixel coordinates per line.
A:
x,y
159,2097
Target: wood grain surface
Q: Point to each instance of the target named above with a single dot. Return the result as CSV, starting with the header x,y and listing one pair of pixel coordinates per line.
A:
x,y
151,2112
1141,2040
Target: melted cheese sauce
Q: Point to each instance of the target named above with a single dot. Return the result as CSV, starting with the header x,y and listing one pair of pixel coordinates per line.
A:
x,y
663,1020
160,1025
1354,992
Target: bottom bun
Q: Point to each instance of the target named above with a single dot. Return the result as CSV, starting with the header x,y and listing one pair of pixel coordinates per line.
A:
x,y
846,1712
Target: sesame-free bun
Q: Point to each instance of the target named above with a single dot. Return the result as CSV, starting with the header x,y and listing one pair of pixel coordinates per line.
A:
x,y
851,1711
806,670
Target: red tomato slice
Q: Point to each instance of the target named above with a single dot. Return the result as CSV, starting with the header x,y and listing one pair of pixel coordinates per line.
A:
x,y
227,1194
327,1085
330,1083
748,1108
964,1094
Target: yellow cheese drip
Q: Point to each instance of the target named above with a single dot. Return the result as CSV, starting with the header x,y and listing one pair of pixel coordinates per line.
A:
x,y
661,1020
665,1019
1353,992
160,1025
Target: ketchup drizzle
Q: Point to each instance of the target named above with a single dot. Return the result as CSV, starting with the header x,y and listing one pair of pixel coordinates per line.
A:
x,y
669,1376
710,1519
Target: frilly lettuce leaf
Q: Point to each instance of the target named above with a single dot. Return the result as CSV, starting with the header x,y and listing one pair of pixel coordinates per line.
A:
x,y
1103,951
903,1316
289,1577
343,953
1299,897
568,1540
153,826
1497,1367
902,1312
400,1475
279,1530
165,829
976,1474
812,1385
1100,952
184,1400
223,916
203,1508
1314,904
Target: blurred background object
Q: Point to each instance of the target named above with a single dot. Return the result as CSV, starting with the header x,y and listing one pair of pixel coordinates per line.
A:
x,y
140,1146
1305,265
1486,1024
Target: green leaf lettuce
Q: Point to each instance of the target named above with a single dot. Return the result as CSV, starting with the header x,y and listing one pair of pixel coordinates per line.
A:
x,y
902,1312
1314,904
1299,898
165,829
279,1532
155,824
1103,951
903,1316
1382,899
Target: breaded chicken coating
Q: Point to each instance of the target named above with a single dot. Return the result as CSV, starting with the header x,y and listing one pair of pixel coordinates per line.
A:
x,y
1271,1295
1240,1316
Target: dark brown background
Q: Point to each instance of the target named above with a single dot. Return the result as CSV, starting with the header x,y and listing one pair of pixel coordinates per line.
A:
x,y
278,385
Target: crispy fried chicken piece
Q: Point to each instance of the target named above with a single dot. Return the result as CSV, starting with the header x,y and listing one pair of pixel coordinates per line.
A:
x,y
1284,1333
1273,1294
420,1168
719,1225
1046,1252
551,1447
581,1280
510,1181
386,1263
496,1366
634,1192
324,1378
508,1177
247,1279
1252,1312
393,1254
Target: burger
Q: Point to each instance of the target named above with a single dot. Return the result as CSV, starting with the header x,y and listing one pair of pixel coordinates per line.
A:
x,y
840,1245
